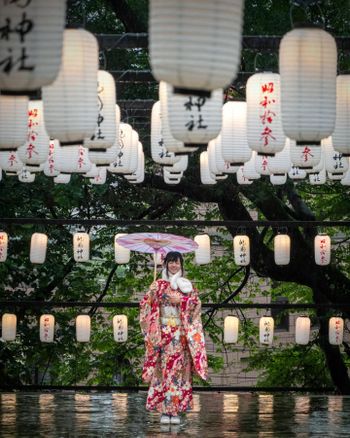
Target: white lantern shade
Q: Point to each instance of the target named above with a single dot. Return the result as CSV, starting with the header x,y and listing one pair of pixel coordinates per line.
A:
x,y
9,327
262,164
126,148
13,121
308,68
25,176
170,179
322,247
71,102
297,173
179,166
47,328
38,247
202,253
138,175
195,44
10,161
206,176
280,163
249,170
194,119
105,132
266,330
341,133
71,159
234,144
49,166
282,249
305,156
62,178
215,155
3,246
121,254
81,247
104,157
34,40
335,330
264,119
231,326
278,180
120,328
83,328
345,181
241,248
101,177
241,179
92,172
302,330
319,178
334,161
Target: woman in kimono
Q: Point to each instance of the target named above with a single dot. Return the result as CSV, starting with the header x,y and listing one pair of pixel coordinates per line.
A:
x,y
170,318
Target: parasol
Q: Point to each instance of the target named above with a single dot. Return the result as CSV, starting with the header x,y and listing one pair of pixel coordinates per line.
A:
x,y
156,243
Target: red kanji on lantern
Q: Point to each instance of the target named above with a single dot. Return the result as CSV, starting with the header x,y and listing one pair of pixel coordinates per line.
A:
x,y
266,135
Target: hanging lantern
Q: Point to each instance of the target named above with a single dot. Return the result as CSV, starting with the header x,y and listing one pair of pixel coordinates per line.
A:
x,y
92,172
282,249
264,120
221,165
120,328
194,119
262,164
105,132
71,159
335,162
179,166
121,254
100,178
195,45
241,248
231,325
38,246
138,175
322,250
296,173
335,330
241,179
170,179
234,144
341,133
202,253
83,328
249,168
212,161
9,327
62,178
71,102
10,161
321,165
36,149
302,330
13,121
81,247
280,163
308,68
126,149
25,176
205,174
345,181
266,328
31,45
278,180
319,178
3,246
305,156
47,328
49,166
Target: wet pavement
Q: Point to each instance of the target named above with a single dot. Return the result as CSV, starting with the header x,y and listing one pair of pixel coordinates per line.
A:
x,y
69,414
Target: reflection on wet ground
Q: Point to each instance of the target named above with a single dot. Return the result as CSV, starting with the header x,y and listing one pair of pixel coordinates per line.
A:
x,y
68,414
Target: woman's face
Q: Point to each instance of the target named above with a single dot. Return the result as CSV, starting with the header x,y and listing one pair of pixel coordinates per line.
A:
x,y
174,266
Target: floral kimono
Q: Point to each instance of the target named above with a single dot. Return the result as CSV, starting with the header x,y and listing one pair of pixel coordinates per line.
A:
x,y
175,347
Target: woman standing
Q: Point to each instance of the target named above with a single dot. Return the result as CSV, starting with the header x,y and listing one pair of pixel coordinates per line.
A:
x,y
170,318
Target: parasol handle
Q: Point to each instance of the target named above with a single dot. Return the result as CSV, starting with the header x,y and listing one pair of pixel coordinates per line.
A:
x,y
155,265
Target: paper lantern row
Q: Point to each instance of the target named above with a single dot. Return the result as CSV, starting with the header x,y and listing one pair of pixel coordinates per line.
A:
x,y
241,247
47,328
282,243
302,330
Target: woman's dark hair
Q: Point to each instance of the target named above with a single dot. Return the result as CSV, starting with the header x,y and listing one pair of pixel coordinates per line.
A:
x,y
173,256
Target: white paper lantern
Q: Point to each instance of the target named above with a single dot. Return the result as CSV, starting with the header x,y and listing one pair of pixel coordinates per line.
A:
x,y
316,179
138,176
202,253
92,172
38,247
121,254
241,179
278,180
335,330
282,249
264,120
25,176
71,102
345,181
241,248
280,163
83,328
120,328
221,165
322,245
62,178
231,326
248,169
341,133
10,161
3,246
195,44
105,132
262,164
170,179
305,156
36,149
296,173
179,166
302,330
49,166
206,176
194,119
266,329
47,328
308,68
31,45
334,161
100,178
126,148
9,327
81,247
234,144
71,159
212,160
13,121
